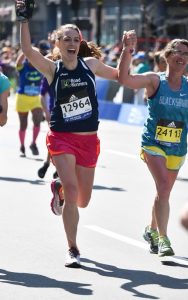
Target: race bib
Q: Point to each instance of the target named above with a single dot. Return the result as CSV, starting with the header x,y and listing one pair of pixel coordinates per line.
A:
x,y
169,131
77,107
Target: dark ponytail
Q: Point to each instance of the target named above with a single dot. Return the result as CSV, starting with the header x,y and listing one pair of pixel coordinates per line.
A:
x,y
88,49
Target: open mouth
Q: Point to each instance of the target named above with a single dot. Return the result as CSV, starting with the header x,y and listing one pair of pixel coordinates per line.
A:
x,y
71,51
180,63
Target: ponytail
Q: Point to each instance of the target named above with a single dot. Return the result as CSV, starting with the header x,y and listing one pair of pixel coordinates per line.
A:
x,y
88,49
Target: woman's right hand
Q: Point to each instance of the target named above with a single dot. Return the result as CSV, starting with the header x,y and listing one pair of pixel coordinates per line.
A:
x,y
24,9
20,5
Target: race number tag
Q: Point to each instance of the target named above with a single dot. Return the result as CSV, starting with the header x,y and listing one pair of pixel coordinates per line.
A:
x,y
77,107
169,131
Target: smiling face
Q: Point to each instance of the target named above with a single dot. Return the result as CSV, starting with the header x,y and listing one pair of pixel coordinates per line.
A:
x,y
177,56
69,43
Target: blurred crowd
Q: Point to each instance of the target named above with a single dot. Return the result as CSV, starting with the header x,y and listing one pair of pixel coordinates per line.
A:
x,y
142,61
9,55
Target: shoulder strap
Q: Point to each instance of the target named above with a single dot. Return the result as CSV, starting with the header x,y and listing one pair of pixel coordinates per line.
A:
x,y
83,63
58,64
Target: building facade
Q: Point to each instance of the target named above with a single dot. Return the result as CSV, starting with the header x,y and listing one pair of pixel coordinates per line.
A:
x,y
102,20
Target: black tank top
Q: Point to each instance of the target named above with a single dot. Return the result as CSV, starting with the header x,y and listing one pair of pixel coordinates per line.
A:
x,y
76,106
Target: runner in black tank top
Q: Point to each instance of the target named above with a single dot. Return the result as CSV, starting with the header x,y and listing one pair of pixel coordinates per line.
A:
x,y
72,140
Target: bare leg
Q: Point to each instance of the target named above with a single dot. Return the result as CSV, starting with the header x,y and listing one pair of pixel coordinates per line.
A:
x,y
164,181
77,185
23,118
37,118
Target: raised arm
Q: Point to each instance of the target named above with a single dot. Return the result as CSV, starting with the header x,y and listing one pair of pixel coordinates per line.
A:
x,y
42,64
19,61
133,81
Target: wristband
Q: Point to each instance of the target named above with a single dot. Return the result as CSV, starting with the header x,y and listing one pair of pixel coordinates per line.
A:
x,y
23,21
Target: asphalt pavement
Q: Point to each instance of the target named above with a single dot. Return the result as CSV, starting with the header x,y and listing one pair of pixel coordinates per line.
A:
x,y
116,261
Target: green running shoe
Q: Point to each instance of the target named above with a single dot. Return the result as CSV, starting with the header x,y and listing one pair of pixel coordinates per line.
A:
x,y
165,248
152,237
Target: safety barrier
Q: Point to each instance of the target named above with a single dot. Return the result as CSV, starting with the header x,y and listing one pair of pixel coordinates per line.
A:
x,y
116,103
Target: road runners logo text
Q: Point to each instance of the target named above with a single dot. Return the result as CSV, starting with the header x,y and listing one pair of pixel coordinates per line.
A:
x,y
69,83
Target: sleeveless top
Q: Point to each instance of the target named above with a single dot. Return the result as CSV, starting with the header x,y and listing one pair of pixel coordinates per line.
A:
x,y
4,83
75,107
166,125
29,80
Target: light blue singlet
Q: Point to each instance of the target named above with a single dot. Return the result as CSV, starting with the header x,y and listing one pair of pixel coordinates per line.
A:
x,y
166,125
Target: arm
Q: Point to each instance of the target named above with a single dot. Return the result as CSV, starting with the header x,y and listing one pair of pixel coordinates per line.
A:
x,y
100,69
45,108
4,105
42,64
45,96
133,81
20,60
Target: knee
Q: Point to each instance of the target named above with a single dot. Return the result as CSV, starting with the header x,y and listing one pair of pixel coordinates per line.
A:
x,y
36,123
83,200
164,188
37,118
83,203
71,192
23,127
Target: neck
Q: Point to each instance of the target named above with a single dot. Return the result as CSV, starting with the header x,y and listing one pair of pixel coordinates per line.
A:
x,y
174,79
174,75
70,64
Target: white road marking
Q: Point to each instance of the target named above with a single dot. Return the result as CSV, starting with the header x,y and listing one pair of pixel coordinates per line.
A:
x,y
133,242
123,154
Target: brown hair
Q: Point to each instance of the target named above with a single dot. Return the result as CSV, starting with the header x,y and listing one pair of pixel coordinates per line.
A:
x,y
172,45
60,30
87,49
157,56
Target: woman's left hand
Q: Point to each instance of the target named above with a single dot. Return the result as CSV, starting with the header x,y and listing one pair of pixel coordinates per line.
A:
x,y
129,39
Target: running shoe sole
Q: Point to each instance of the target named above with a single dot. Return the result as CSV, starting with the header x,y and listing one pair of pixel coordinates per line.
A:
x,y
169,252
74,265
73,259
153,249
55,199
